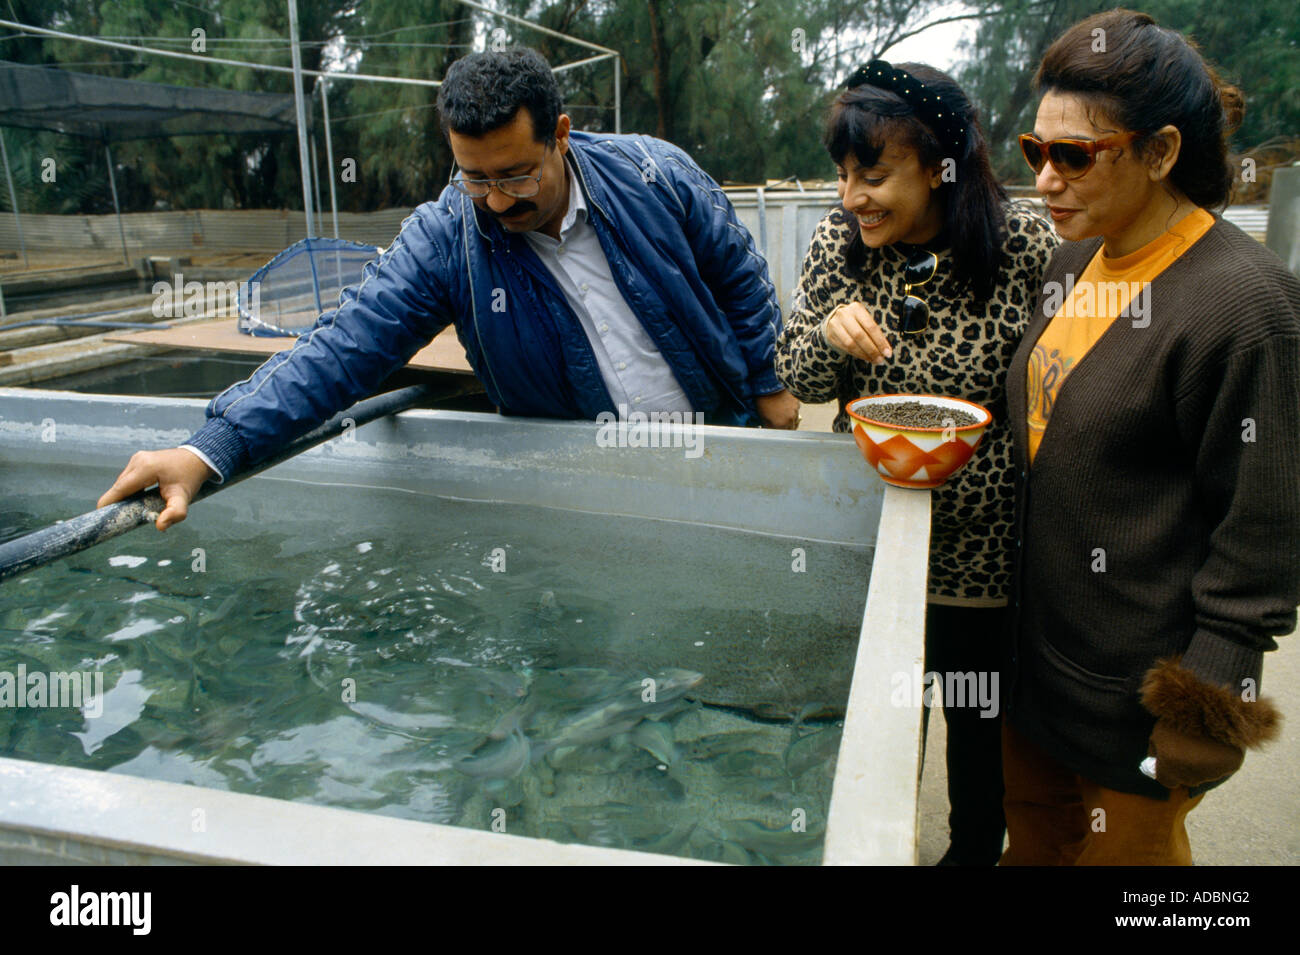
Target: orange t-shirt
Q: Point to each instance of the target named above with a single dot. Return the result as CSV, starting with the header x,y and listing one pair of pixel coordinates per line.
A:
x,y
1089,306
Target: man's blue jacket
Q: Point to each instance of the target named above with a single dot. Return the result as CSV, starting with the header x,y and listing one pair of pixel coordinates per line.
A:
x,y
686,267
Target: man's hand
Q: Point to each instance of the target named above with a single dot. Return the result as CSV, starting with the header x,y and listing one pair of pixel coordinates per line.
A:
x,y
779,410
851,329
178,473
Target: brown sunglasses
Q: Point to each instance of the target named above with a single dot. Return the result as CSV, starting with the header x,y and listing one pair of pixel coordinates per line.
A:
x,y
1071,158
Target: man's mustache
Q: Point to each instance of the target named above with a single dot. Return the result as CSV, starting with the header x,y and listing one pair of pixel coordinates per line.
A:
x,y
517,209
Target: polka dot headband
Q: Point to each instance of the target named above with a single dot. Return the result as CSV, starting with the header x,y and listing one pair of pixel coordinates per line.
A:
x,y
949,127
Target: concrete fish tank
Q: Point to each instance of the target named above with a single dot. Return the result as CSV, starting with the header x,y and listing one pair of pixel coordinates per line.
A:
x,y
450,637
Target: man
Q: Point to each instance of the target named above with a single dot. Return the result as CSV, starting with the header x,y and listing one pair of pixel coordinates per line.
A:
x,y
585,273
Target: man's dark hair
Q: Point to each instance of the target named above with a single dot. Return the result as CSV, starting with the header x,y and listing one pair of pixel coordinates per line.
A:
x,y
484,91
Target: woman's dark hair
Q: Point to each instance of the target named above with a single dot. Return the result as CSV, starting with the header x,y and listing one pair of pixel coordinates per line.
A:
x,y
483,91
1143,77
865,119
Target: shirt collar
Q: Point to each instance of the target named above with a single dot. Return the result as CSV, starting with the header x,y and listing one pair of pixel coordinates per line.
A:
x,y
577,206
577,202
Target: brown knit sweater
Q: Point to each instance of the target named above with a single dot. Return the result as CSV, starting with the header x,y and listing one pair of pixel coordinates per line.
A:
x,y
1161,515
964,353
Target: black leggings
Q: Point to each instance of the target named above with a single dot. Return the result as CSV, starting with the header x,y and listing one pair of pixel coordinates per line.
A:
x,y
965,640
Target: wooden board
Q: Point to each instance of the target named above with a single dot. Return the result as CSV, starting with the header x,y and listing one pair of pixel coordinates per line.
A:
x,y
444,353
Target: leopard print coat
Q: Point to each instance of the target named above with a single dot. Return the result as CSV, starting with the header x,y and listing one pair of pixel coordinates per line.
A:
x,y
964,353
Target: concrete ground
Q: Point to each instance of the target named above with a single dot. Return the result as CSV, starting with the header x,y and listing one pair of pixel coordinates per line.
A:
x,y
1253,819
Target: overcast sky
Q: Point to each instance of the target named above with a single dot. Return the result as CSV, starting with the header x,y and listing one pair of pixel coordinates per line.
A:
x,y
936,46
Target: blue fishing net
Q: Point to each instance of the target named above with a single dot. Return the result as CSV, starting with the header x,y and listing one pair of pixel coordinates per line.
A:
x,y
288,294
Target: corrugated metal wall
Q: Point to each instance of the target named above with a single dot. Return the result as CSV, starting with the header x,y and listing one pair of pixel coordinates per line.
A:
x,y
782,225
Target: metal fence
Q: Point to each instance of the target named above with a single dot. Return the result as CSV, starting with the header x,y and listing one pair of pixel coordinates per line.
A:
x,y
252,230
781,222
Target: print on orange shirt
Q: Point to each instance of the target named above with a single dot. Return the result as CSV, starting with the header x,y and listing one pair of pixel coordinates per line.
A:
x,y
1047,369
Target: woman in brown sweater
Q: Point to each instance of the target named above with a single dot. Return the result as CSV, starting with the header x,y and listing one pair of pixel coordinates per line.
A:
x,y
924,221
1153,403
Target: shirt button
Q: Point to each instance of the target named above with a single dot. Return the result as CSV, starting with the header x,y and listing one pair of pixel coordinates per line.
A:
x,y
637,400
604,328
622,365
585,287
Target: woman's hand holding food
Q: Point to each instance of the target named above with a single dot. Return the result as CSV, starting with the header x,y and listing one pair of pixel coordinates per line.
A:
x,y
852,330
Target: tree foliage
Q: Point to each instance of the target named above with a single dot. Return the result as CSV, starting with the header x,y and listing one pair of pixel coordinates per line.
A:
x,y
1255,46
740,84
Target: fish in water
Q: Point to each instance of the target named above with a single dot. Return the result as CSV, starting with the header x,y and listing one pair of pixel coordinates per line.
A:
x,y
656,738
670,842
507,751
587,760
548,608
499,759
748,763
759,838
622,712
392,719
735,741
733,854
585,732
672,683
233,603
513,722
577,683
815,749
493,682
815,710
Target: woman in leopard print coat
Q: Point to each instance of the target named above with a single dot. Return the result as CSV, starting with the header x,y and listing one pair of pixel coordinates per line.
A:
x,y
914,179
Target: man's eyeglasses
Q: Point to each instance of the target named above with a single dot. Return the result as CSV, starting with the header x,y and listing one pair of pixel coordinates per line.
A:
x,y
517,187
1071,158
914,315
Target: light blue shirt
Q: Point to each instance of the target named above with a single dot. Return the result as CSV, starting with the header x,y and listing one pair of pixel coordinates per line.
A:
x,y
630,363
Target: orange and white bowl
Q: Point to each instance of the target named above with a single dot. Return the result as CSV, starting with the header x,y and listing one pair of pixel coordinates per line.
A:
x,y
917,457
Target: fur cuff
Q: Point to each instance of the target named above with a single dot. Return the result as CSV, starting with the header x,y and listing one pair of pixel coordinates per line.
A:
x,y
1191,705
